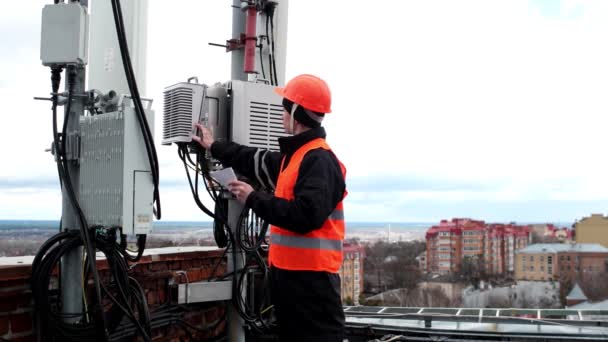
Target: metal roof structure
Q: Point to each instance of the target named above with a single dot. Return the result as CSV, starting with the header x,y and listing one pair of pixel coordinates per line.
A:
x,y
603,305
461,324
576,294
564,247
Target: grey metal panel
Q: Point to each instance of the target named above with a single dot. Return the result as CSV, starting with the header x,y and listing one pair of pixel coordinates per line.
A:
x,y
136,160
183,106
64,33
204,291
101,163
216,98
113,157
142,202
257,115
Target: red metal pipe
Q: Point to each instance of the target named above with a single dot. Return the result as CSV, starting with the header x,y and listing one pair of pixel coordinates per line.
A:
x,y
250,40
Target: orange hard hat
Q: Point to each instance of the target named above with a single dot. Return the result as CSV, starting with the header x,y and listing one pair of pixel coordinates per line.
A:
x,y
309,92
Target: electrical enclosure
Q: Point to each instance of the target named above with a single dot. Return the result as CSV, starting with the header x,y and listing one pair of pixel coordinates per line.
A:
x,y
257,115
244,112
183,107
116,187
64,33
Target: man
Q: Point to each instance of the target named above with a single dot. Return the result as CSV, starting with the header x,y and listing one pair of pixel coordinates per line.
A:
x,y
305,212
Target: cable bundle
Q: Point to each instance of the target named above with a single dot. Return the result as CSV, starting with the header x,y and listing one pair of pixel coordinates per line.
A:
x,y
268,9
250,237
122,293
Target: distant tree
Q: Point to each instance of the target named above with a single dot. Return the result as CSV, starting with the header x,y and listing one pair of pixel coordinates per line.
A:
x,y
472,270
373,264
545,303
496,301
407,276
434,297
565,286
391,265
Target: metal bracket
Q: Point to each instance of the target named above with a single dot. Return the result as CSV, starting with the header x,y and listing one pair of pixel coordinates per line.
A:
x,y
233,44
204,291
72,146
122,103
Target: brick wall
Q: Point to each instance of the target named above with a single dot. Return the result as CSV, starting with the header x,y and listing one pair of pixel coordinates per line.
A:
x,y
158,272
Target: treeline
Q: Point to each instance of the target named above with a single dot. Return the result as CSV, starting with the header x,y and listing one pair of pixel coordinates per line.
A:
x,y
392,265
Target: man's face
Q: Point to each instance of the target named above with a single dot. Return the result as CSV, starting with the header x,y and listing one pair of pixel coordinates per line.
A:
x,y
286,119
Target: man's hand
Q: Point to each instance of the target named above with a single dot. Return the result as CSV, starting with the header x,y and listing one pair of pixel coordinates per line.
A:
x,y
241,190
206,136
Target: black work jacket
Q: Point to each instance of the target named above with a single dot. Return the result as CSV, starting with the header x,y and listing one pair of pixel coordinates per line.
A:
x,y
318,190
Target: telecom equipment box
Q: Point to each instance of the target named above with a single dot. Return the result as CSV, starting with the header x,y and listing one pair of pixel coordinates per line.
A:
x,y
244,112
184,105
257,115
64,33
116,187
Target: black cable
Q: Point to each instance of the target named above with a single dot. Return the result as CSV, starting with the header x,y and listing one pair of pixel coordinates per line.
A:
x,y
218,263
251,230
139,110
269,52
64,175
262,60
141,246
182,152
274,64
49,321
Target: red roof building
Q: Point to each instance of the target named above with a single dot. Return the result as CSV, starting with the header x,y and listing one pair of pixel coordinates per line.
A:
x,y
494,245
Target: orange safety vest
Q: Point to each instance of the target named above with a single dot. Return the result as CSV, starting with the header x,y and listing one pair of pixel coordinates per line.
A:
x,y
319,250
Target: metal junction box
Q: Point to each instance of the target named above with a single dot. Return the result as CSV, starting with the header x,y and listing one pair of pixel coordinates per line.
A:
x,y
64,34
257,115
244,112
183,106
116,188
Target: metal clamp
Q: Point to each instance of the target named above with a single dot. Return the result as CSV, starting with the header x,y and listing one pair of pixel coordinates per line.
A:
x,y
262,80
185,274
121,101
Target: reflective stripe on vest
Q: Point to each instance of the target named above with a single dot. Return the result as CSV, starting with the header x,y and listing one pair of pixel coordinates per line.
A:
x,y
319,250
337,214
299,241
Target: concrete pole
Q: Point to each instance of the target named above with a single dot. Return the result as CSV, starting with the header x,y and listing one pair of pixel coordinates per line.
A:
x,y
106,71
238,55
71,262
236,331
280,39
236,324
280,42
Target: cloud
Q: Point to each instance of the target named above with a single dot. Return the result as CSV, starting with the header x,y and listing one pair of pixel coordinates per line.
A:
x,y
397,183
43,182
484,107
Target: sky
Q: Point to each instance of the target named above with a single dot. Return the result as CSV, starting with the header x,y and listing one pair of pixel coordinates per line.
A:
x,y
494,110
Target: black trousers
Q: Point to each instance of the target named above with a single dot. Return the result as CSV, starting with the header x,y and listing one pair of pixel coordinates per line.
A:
x,y
307,305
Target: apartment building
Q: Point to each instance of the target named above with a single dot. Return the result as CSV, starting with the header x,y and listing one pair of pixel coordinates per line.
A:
x,y
547,262
351,273
493,245
592,229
